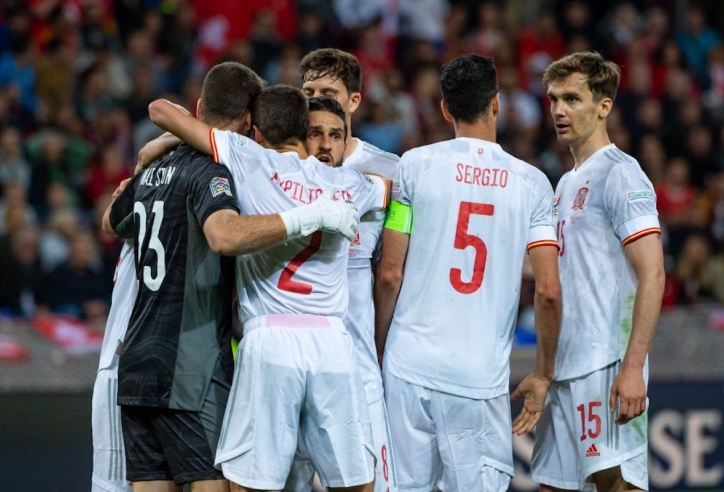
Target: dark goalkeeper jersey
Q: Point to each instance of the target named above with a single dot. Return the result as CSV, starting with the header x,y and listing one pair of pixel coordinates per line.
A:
x,y
179,331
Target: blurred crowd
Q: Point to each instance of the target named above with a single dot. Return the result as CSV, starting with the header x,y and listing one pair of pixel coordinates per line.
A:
x,y
76,77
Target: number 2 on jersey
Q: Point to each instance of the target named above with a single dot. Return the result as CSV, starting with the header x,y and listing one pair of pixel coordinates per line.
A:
x,y
463,240
285,279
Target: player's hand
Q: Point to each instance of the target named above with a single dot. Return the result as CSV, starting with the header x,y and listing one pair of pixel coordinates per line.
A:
x,y
121,187
629,389
534,389
337,216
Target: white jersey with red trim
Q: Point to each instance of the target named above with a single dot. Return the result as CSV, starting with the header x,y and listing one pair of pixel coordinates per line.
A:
x,y
125,288
360,316
305,275
603,205
476,210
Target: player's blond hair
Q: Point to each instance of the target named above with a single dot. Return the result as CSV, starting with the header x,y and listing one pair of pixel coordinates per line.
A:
x,y
602,76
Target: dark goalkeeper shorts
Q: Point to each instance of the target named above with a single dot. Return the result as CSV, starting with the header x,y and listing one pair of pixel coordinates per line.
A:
x,y
178,445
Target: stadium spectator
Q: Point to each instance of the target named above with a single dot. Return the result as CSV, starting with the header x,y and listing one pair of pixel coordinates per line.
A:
x,y
78,287
20,262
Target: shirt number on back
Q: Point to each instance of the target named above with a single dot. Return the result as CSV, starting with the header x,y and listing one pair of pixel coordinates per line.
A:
x,y
154,243
463,240
285,279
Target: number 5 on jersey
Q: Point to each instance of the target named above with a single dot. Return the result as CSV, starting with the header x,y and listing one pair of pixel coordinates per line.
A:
x,y
463,240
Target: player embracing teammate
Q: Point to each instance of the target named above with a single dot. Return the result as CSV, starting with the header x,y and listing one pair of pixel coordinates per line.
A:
x,y
443,280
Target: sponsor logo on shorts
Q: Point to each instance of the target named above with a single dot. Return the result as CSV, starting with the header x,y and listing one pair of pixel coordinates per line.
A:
x,y
220,186
592,452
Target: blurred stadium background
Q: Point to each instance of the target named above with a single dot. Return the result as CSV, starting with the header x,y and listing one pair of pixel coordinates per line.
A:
x,y
76,77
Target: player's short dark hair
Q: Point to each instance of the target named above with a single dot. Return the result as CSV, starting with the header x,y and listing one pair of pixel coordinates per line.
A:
x,y
337,64
281,113
602,76
330,105
227,92
468,85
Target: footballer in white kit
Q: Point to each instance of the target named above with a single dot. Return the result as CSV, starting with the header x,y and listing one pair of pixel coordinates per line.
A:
x,y
360,323
359,318
336,74
593,428
297,367
109,459
476,211
601,207
473,211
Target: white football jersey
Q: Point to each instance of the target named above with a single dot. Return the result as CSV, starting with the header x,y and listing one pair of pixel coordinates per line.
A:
x,y
360,316
125,288
304,275
476,209
600,207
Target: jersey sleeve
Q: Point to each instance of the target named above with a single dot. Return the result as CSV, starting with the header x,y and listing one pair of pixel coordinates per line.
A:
x,y
402,182
631,203
542,231
121,216
369,193
238,153
213,190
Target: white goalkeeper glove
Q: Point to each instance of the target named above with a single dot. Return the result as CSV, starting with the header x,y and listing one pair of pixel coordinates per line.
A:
x,y
325,214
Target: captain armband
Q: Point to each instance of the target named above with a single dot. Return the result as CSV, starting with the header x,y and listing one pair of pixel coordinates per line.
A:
x,y
399,217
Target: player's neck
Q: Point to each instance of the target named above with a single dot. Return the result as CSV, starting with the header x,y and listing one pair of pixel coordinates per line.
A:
x,y
593,144
293,147
482,130
351,145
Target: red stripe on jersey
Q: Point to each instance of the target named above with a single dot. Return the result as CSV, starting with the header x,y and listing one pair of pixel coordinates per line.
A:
x,y
640,234
214,151
545,242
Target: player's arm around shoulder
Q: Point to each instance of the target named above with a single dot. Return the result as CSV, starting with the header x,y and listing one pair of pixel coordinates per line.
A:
x,y
118,215
155,149
178,121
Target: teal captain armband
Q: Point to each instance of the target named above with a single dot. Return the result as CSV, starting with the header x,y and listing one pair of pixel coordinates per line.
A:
x,y
399,217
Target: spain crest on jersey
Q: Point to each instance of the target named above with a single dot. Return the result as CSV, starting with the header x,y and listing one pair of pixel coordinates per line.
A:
x,y
580,199
220,186
357,240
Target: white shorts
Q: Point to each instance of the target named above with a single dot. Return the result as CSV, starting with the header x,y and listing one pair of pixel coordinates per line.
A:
x,y
577,436
448,441
296,374
109,458
301,475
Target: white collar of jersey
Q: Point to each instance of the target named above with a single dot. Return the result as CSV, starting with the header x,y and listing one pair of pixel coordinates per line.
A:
x,y
479,141
356,153
594,155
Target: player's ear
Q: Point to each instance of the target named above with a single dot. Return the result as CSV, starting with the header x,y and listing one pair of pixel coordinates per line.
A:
x,y
495,104
245,123
257,135
198,108
605,107
445,111
354,101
